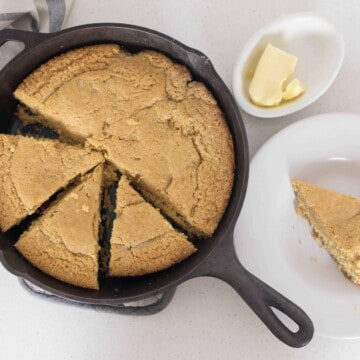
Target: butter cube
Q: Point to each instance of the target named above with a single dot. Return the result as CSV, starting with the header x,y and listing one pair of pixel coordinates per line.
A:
x,y
274,68
293,90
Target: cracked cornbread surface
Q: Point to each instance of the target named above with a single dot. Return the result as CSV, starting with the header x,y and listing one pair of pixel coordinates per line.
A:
x,y
63,242
142,240
79,91
160,129
180,155
31,170
335,219
157,126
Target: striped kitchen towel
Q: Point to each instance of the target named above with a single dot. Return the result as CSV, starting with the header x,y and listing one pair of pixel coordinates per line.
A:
x,y
31,15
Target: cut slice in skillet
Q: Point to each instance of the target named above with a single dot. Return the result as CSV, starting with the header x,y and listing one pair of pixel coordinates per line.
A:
x,y
64,241
32,170
142,240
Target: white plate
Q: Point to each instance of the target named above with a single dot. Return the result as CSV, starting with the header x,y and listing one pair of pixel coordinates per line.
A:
x,y
320,50
276,244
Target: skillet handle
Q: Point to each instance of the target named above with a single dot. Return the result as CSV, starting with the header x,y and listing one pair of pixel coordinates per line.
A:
x,y
28,38
224,265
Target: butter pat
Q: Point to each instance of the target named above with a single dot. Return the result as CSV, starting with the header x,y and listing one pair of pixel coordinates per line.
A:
x,y
294,89
274,68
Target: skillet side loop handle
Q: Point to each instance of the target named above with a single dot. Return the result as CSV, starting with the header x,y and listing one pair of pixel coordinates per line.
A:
x,y
261,298
28,38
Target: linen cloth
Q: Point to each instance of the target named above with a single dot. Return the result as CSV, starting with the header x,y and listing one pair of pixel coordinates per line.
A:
x,y
30,15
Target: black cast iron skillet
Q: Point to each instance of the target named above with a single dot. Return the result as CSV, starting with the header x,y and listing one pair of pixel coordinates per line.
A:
x,y
216,256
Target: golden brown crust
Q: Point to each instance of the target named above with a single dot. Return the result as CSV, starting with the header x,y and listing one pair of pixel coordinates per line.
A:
x,y
335,219
49,77
80,91
189,173
155,255
197,90
142,241
31,170
123,104
55,260
177,78
64,241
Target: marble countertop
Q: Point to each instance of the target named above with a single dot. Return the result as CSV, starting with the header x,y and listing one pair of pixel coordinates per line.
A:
x,y
206,318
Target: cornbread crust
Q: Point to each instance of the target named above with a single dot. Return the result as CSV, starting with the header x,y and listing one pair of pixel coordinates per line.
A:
x,y
142,240
31,170
79,91
46,80
180,155
335,219
124,104
64,241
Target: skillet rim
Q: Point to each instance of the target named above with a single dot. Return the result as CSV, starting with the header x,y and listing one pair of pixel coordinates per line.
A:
x,y
236,128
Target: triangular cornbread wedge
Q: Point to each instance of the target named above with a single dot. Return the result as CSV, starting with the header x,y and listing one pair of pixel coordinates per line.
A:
x,y
142,240
63,242
31,170
335,219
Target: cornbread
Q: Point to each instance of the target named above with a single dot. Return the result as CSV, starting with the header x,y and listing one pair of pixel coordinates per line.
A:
x,y
335,219
180,156
142,240
32,170
80,91
157,129
63,242
157,126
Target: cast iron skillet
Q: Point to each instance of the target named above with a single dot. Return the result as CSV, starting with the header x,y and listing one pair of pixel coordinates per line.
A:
x,y
216,256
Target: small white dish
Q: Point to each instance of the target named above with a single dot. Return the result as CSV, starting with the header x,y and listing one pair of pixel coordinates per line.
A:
x,y
276,244
320,51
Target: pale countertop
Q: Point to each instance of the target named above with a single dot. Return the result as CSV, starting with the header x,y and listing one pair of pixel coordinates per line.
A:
x,y
206,319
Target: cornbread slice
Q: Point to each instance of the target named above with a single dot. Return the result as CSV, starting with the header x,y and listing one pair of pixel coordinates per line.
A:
x,y
31,170
142,240
180,155
335,219
63,242
79,91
